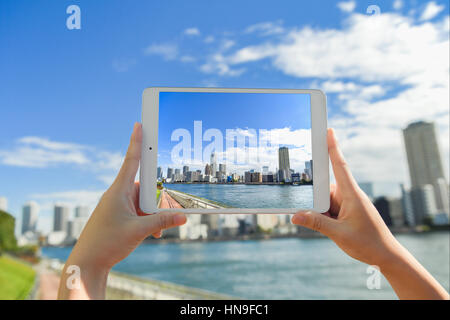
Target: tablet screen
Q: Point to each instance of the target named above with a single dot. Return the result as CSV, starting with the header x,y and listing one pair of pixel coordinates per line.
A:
x,y
238,150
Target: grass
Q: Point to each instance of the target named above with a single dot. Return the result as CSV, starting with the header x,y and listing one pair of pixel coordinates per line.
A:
x,y
16,279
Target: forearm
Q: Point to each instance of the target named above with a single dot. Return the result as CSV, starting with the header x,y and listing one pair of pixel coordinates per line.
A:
x,y
410,280
88,284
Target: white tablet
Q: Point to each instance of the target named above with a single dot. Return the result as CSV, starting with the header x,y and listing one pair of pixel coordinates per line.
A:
x,y
216,150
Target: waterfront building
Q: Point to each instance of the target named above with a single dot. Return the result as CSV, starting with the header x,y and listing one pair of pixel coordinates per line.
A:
x,y
284,164
297,178
185,170
407,207
265,222
213,164
75,227
3,204
265,170
235,177
269,177
177,171
207,170
82,212
423,203
247,177
169,173
256,177
223,168
159,174
60,218
425,165
390,210
30,213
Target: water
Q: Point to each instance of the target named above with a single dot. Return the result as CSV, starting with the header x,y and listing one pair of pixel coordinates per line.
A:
x,y
252,196
275,269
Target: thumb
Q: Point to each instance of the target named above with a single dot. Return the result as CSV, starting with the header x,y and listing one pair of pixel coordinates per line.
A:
x,y
316,221
154,223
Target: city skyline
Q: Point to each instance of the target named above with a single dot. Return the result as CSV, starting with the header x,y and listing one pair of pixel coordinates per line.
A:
x,y
370,98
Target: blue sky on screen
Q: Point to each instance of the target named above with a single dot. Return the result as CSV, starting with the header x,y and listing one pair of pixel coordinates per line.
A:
x,y
246,113
69,98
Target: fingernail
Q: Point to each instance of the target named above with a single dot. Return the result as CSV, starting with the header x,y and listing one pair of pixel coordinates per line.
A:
x,y
179,219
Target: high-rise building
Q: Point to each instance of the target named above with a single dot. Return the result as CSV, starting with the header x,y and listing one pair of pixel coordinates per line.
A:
x,y
169,173
283,163
82,212
3,203
424,203
61,218
265,169
407,207
213,164
185,171
30,213
223,168
425,162
308,169
207,170
159,173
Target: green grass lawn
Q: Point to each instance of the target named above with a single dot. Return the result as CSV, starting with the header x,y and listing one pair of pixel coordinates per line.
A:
x,y
16,279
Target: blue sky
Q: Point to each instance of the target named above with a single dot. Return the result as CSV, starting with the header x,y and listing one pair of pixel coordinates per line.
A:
x,y
231,111
69,98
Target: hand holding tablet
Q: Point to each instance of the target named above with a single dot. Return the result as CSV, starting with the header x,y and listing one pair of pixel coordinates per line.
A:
x,y
210,150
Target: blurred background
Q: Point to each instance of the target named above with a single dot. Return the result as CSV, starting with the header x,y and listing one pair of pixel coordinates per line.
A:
x,y
71,78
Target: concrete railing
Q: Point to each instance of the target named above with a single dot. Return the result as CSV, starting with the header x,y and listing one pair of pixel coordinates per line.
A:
x,y
188,201
125,286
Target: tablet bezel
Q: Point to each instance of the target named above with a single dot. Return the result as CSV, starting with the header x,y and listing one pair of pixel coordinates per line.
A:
x,y
150,116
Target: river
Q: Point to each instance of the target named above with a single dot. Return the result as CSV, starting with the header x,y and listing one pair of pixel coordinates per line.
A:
x,y
252,196
275,269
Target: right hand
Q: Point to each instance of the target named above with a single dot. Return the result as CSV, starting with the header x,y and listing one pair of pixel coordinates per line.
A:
x,y
352,221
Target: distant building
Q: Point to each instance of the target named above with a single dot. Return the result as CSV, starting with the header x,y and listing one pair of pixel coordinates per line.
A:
x,y
60,218
265,170
3,203
185,171
169,173
296,177
269,177
159,174
425,166
424,203
283,164
407,207
391,211
266,222
367,187
308,169
213,164
207,170
223,168
82,212
30,213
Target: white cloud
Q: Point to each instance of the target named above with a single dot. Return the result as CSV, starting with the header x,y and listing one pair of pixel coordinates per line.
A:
x,y
166,50
347,6
192,32
123,65
187,58
266,28
209,39
431,10
398,4
387,70
38,152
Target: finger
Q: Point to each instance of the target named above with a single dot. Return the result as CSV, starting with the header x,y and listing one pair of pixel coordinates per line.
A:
x,y
316,221
158,234
163,220
344,178
130,166
335,200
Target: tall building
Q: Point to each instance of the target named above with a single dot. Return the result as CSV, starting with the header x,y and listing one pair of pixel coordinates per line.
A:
x,y
423,203
213,163
169,173
3,203
265,169
207,170
223,168
284,166
308,169
425,164
30,213
82,212
159,173
407,207
61,218
185,171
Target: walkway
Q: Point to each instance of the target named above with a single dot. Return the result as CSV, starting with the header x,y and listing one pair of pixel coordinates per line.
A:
x,y
167,202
